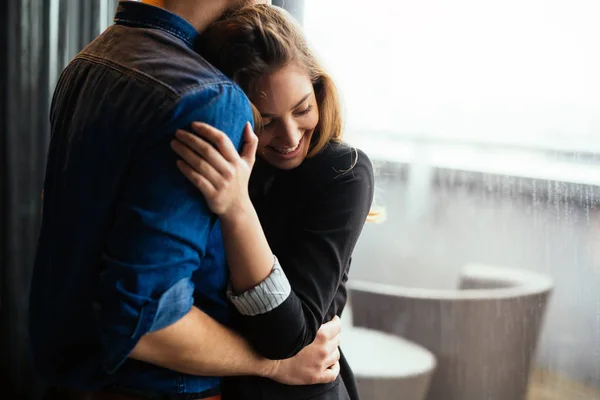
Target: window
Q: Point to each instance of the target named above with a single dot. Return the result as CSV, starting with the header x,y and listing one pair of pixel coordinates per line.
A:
x,y
519,72
483,120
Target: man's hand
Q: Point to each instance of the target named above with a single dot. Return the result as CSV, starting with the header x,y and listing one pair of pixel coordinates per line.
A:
x,y
316,363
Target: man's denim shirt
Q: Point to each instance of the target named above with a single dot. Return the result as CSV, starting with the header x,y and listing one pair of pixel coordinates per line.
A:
x,y
127,244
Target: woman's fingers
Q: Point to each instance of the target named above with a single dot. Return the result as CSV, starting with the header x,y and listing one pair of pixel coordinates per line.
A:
x,y
250,145
218,138
197,179
207,152
197,163
220,173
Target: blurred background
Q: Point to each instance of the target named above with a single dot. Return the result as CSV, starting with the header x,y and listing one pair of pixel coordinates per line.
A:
x,y
483,121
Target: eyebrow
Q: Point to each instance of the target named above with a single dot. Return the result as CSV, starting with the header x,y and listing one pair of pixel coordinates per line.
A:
x,y
296,106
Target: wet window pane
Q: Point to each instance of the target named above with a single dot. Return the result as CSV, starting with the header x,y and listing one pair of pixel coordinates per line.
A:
x,y
483,119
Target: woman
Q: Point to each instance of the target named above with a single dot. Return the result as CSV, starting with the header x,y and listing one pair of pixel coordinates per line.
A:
x,y
309,194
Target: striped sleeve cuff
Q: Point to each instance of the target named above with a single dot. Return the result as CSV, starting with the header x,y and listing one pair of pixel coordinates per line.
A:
x,y
268,295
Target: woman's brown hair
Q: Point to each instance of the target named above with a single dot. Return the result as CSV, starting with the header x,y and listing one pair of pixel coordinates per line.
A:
x,y
256,41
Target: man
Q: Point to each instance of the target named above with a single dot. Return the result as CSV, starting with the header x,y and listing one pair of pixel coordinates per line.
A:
x,y
127,298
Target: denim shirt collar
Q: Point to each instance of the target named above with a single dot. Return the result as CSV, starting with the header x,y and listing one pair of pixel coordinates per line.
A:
x,y
137,14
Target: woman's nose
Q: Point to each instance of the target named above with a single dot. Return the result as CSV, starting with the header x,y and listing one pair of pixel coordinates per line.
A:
x,y
290,133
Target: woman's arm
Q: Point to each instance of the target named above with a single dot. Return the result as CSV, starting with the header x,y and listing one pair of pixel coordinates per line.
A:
x,y
222,175
315,257
315,254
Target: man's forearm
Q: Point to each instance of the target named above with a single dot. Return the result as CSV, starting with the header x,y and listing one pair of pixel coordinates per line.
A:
x,y
198,345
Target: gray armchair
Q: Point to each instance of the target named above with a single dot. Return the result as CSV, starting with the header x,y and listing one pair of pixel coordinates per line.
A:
x,y
483,335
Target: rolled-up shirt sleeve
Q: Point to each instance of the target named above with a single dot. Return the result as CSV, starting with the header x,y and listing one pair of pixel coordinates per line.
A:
x,y
266,296
160,230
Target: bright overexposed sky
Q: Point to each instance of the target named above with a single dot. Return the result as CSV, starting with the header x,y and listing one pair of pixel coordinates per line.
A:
x,y
512,71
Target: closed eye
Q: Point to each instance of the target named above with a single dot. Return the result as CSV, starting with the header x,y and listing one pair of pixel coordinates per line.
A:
x,y
305,111
268,119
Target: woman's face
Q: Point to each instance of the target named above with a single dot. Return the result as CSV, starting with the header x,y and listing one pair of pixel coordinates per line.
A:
x,y
287,103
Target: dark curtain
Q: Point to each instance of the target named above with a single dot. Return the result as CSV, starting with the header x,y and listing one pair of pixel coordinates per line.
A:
x,y
38,38
25,84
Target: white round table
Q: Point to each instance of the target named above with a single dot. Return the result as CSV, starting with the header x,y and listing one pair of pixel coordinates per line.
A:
x,y
387,366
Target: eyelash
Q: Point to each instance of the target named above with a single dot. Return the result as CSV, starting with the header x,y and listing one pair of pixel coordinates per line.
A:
x,y
298,114
305,111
